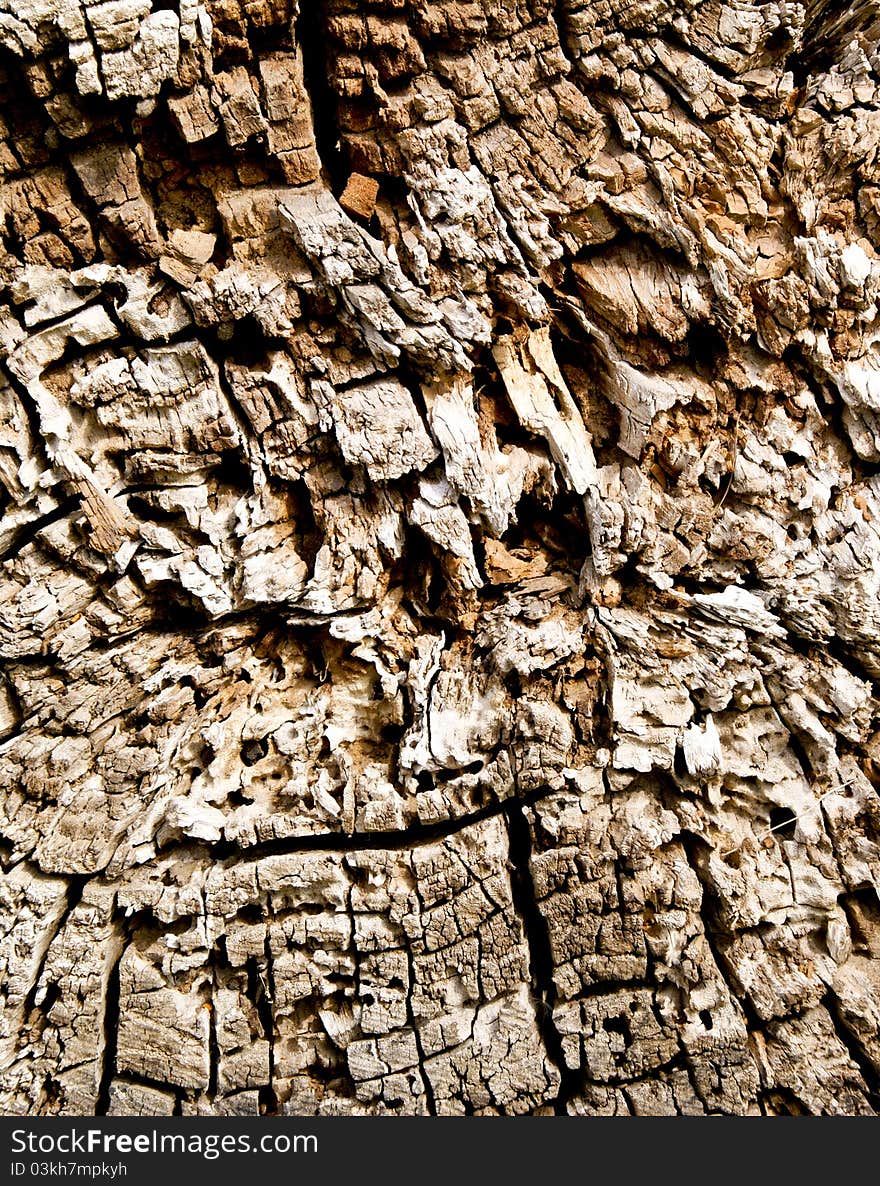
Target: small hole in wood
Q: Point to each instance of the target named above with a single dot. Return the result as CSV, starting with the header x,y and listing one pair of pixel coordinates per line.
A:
x,y
782,822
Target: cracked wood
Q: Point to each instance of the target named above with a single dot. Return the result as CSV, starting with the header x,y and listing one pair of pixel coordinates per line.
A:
x,y
439,557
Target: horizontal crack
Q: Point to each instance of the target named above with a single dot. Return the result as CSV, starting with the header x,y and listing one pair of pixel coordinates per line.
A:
x,y
418,834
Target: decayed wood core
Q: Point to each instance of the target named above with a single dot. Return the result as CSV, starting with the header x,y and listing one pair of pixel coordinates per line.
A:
x,y
439,604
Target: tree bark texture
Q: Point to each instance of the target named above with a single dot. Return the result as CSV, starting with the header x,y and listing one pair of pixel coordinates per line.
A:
x,y
440,559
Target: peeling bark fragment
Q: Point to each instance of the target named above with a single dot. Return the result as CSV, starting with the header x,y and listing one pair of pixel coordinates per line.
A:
x,y
378,426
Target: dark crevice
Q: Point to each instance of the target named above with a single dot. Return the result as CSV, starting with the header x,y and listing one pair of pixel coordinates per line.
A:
x,y
680,42
783,821
559,16
831,408
111,1023
854,1048
418,571
813,649
795,739
689,1069
213,1042
264,999
783,1102
310,538
830,27
138,1080
153,512
418,834
408,376
709,907
249,346
312,37
74,894
856,665
7,848
541,965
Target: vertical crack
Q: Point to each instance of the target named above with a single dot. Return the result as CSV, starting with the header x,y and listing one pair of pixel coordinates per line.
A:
x,y
264,998
312,38
213,1042
429,1089
687,1066
110,1040
537,937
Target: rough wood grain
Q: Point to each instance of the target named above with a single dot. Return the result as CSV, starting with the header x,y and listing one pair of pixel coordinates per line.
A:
x,y
440,560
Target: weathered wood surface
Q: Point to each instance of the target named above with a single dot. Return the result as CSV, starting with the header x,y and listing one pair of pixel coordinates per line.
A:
x,y
440,445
